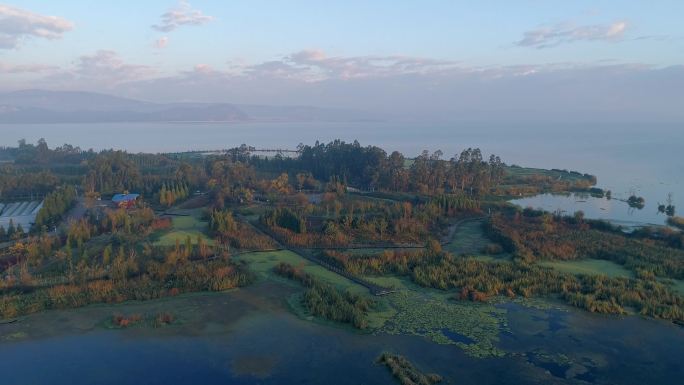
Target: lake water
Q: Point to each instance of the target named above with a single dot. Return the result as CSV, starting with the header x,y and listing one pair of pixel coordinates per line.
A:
x,y
613,210
640,159
249,337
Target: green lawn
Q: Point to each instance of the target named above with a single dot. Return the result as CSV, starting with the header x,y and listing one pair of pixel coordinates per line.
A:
x,y
590,267
181,228
263,262
555,174
468,239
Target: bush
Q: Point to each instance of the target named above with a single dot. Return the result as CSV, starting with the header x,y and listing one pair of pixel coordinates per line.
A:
x,y
326,301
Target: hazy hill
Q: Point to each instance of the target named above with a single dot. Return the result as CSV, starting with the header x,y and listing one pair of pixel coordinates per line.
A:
x,y
40,106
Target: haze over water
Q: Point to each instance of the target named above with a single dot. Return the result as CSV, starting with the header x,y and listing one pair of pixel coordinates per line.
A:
x,y
639,159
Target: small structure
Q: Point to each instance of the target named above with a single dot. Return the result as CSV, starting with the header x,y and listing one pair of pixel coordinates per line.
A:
x,y
125,201
19,213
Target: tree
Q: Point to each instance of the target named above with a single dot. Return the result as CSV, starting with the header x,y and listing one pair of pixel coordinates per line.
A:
x,y
55,205
162,195
11,230
107,255
20,230
187,252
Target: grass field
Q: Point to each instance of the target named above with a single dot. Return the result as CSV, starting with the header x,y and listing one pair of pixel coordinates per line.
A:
x,y
590,267
555,174
468,239
263,262
181,228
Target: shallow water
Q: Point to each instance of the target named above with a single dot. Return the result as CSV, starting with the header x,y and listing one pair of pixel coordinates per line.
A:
x,y
613,210
248,336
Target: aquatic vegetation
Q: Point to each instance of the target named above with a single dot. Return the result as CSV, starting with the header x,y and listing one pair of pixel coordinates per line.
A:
x,y
636,202
436,317
676,222
162,319
404,371
124,321
20,335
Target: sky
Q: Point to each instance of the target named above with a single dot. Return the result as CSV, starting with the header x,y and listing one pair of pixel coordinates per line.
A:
x,y
512,59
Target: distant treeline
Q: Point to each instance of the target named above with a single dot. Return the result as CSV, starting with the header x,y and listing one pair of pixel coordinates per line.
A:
x,y
371,168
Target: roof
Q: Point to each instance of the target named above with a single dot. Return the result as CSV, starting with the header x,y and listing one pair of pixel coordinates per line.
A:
x,y
124,197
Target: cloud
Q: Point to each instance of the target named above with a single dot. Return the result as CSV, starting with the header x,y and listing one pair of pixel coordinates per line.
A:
x,y
107,65
552,36
161,43
182,14
17,25
101,70
203,69
315,65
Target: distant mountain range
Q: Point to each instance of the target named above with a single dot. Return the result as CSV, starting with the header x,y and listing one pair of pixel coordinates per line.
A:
x,y
41,106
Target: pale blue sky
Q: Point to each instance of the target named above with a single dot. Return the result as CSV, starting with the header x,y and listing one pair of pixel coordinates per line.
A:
x,y
476,32
472,35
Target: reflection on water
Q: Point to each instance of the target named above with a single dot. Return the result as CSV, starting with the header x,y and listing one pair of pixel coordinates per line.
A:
x,y
614,210
248,336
